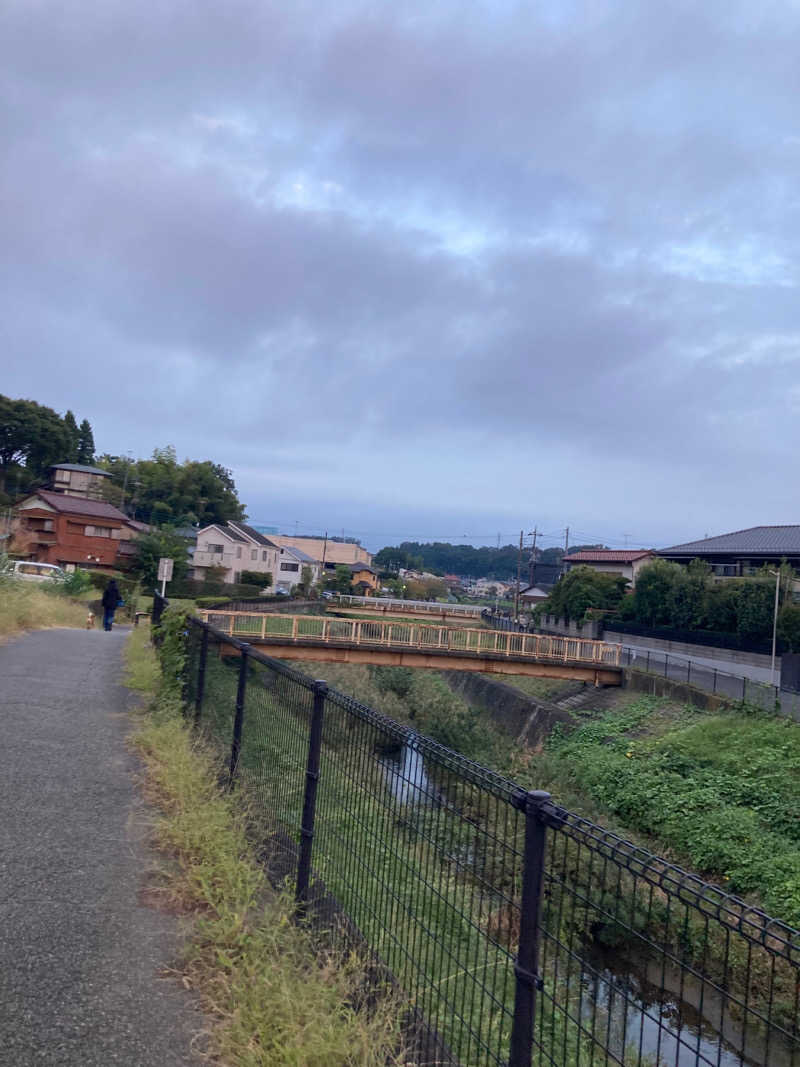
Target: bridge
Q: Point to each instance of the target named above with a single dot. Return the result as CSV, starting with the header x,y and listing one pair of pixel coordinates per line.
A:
x,y
410,644
413,609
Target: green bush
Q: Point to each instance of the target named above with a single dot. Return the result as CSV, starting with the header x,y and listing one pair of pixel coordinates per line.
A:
x,y
261,581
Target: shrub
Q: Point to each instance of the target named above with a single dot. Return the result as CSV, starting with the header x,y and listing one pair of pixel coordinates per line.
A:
x,y
261,581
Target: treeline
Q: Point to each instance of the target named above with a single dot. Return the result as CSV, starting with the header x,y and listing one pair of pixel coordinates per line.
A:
x,y
163,492
440,557
671,596
34,437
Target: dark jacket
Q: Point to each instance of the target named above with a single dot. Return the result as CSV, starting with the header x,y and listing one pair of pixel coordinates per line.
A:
x,y
111,597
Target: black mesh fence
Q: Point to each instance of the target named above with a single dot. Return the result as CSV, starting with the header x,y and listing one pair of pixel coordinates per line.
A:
x,y
517,932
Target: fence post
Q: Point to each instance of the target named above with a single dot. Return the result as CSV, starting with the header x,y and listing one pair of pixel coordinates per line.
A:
x,y
310,797
666,664
527,978
688,671
744,689
647,668
236,744
715,680
201,675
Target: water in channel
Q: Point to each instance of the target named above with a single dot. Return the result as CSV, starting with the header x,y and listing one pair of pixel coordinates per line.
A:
x,y
646,1020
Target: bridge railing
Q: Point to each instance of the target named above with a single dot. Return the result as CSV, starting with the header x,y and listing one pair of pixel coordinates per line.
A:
x,y
427,607
379,633
518,932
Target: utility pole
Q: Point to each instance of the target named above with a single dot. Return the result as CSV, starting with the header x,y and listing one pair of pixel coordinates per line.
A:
x,y
532,567
566,549
324,551
519,570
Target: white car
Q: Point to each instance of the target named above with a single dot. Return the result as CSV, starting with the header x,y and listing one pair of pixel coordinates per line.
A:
x,y
37,572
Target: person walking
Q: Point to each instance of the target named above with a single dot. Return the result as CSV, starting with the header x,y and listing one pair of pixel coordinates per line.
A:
x,y
111,601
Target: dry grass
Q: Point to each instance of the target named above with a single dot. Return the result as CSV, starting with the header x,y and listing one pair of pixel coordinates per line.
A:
x,y
273,998
26,606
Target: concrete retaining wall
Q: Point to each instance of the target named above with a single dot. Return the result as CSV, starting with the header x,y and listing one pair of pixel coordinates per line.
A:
x,y
525,718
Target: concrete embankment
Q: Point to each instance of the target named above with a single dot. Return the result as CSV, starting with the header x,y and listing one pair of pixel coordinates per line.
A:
x,y
528,719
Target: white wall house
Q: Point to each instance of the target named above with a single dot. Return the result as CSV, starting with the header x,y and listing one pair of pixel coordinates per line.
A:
x,y
236,547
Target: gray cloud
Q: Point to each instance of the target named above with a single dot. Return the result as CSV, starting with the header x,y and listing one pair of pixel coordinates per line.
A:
x,y
511,262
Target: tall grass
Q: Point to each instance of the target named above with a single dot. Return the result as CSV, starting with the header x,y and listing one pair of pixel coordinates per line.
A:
x,y
29,606
274,998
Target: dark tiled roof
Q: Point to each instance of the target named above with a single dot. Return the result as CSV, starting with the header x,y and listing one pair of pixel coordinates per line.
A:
x,y
79,467
234,535
608,555
78,505
356,567
756,540
254,535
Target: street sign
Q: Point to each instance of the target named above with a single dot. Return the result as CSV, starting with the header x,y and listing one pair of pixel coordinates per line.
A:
x,y
165,565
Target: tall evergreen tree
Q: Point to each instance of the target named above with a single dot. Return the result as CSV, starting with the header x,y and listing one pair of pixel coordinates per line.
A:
x,y
85,443
71,425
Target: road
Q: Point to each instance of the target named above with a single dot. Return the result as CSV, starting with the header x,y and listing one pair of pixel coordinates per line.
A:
x,y
79,957
741,670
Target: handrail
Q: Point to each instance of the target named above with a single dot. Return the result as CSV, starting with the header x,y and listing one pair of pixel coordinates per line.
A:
x,y
412,635
431,607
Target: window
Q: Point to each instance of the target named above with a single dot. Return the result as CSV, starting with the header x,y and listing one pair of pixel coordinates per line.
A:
x,y
98,531
239,552
214,548
62,477
253,553
263,557
290,566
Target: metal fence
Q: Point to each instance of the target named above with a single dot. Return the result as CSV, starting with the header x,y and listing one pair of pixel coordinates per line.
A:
x,y
677,668
518,932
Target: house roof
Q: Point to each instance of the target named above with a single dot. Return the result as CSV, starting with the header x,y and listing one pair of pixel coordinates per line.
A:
x,y
78,505
356,568
755,540
299,554
250,532
608,555
79,467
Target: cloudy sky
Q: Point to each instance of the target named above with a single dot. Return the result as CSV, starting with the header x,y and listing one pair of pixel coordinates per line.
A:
x,y
417,270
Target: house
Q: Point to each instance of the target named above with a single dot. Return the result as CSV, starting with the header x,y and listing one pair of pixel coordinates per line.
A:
x,y
742,553
533,594
234,547
490,587
327,552
364,578
72,531
74,479
627,562
237,547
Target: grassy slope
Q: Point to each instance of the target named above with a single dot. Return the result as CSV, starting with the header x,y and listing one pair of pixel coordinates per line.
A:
x,y
275,1000
27,606
719,793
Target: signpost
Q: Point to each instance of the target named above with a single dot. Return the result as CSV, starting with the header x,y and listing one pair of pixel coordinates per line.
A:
x,y
165,565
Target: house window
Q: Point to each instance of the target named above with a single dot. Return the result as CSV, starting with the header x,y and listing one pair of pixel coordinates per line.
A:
x,y
239,552
62,477
217,549
98,531
263,557
253,553
290,566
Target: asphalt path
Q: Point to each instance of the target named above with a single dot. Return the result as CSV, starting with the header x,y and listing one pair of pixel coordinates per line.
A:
x,y
81,960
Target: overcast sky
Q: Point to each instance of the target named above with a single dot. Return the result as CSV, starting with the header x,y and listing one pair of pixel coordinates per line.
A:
x,y
417,270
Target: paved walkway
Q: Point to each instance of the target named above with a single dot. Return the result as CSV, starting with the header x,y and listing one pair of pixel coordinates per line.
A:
x,y
79,958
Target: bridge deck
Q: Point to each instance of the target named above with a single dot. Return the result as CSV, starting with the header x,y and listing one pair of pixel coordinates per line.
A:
x,y
423,645
422,609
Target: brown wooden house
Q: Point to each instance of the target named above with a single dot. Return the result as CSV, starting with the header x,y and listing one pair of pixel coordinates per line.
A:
x,y
72,531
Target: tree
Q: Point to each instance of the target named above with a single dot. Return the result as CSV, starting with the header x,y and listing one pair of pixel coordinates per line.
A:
x,y
163,491
32,438
343,578
583,588
653,598
73,433
151,546
85,449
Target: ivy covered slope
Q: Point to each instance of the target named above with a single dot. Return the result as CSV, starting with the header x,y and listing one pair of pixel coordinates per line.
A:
x,y
721,791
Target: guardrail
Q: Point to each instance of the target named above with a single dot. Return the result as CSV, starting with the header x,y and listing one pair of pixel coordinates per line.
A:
x,y
467,611
381,634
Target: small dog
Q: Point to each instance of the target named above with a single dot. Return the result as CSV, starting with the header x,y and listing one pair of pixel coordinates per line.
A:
x,y
90,621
